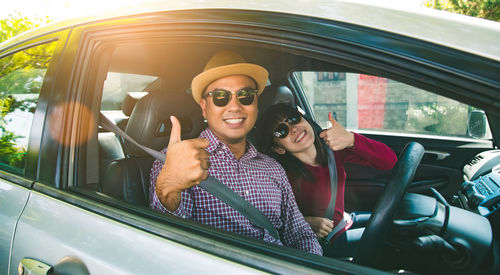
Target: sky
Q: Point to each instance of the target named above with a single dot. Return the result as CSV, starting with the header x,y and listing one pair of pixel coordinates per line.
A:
x,y
64,9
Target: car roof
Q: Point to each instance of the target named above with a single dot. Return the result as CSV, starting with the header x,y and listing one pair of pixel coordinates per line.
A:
x,y
469,34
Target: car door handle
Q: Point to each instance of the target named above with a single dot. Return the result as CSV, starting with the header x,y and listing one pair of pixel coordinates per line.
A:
x,y
436,155
32,266
67,265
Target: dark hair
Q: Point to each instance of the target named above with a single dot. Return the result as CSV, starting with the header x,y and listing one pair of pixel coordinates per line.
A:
x,y
266,124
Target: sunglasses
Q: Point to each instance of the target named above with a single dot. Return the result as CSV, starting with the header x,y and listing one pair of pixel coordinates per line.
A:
x,y
282,130
222,97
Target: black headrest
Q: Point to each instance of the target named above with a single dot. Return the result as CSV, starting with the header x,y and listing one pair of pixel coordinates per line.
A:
x,y
149,123
130,100
275,94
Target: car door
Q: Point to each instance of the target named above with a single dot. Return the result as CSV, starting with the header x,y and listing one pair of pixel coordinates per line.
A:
x,y
45,227
68,220
14,198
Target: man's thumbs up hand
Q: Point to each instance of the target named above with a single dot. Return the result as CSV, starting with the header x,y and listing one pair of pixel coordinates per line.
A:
x,y
175,131
186,165
337,138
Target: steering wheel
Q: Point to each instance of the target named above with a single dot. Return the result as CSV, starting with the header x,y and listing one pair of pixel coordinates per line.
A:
x,y
376,232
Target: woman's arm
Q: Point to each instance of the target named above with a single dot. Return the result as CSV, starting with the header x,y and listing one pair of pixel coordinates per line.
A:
x,y
356,148
370,152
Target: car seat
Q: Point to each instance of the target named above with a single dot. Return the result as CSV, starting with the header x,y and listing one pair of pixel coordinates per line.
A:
x,y
149,125
111,145
275,94
128,105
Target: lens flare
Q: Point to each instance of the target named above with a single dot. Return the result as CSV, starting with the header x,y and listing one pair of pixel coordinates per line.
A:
x,y
63,128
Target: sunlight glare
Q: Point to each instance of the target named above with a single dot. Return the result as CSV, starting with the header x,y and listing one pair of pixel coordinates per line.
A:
x,y
64,9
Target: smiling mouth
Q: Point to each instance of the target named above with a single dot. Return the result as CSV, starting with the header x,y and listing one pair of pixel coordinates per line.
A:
x,y
234,121
300,137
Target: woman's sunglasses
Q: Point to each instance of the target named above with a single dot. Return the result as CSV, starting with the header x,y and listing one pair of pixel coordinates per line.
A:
x,y
282,130
222,97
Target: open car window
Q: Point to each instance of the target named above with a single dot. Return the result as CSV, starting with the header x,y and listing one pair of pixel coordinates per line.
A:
x,y
372,103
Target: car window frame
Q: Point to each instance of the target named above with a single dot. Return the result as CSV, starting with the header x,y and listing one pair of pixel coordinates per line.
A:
x,y
268,254
256,253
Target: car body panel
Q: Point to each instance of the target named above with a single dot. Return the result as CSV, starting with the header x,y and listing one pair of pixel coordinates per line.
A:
x,y
379,15
13,199
51,229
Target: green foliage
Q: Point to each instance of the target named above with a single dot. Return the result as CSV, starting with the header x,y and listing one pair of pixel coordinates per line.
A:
x,y
9,153
487,9
26,63
14,25
21,78
436,119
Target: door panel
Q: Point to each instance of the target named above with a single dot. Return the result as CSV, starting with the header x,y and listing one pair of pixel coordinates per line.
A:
x,y
12,201
50,230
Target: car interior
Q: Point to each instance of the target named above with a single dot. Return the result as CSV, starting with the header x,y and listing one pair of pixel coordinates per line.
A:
x,y
148,121
123,168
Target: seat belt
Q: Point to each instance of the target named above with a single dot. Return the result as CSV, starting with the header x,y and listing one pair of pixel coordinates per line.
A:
x,y
332,169
211,184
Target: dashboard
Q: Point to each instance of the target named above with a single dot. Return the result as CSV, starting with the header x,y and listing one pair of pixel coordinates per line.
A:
x,y
480,191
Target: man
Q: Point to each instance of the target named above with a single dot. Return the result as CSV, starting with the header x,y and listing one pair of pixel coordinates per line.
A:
x,y
227,92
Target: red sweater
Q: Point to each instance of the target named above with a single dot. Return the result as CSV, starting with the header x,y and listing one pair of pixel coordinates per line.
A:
x,y
313,197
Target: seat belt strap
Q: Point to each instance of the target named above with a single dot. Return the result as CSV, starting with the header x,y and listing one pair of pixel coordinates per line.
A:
x,y
211,184
231,198
332,169
110,126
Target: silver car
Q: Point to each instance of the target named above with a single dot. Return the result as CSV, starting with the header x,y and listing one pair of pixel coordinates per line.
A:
x,y
74,196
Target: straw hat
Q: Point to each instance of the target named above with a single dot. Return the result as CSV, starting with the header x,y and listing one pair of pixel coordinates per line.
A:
x,y
224,64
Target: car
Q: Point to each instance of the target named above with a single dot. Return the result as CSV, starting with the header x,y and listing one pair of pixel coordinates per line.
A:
x,y
74,196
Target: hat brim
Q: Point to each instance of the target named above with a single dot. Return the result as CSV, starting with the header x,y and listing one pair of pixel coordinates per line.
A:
x,y
201,81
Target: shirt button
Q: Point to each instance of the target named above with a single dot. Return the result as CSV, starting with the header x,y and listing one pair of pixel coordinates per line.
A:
x,y
247,192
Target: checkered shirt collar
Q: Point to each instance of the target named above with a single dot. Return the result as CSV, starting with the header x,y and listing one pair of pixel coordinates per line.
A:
x,y
216,144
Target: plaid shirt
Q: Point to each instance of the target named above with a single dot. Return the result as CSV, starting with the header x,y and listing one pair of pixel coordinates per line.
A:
x,y
257,178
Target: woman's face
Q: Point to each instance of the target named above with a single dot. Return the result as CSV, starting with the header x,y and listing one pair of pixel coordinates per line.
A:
x,y
299,139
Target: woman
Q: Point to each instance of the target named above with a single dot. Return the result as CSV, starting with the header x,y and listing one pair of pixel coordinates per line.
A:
x,y
290,138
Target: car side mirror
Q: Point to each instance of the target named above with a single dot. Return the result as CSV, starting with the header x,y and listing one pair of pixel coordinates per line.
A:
x,y
477,124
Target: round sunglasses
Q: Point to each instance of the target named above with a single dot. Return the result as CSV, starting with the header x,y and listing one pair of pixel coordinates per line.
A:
x,y
282,129
221,97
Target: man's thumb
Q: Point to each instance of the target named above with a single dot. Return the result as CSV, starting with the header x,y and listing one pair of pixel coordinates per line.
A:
x,y
332,119
175,133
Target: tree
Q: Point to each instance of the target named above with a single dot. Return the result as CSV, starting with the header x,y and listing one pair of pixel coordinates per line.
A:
x,y
21,73
16,24
487,9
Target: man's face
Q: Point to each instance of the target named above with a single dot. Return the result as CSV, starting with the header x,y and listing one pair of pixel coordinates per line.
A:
x,y
232,122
